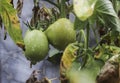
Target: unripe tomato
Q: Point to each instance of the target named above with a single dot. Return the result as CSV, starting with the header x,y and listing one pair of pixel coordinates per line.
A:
x,y
61,33
36,45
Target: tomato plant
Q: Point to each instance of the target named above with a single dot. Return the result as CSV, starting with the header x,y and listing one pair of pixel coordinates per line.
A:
x,y
70,37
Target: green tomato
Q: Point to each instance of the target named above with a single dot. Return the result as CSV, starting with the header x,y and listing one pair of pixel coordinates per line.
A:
x,y
36,45
61,33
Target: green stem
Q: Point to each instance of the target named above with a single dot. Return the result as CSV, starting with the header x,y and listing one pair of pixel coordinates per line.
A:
x,y
63,9
86,45
87,34
93,29
101,39
84,36
95,35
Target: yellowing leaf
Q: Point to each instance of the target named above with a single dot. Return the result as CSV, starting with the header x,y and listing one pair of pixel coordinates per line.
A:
x,y
11,22
84,8
68,57
105,52
9,1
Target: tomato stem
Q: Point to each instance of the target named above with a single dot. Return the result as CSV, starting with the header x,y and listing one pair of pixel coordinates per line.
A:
x,y
84,36
63,9
87,34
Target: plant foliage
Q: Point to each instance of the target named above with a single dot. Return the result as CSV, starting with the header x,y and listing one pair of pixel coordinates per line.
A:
x,y
11,22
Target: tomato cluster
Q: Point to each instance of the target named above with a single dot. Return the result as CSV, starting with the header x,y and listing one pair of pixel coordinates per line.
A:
x,y
59,34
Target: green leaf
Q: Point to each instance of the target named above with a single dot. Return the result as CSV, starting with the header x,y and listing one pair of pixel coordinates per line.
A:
x,y
53,52
78,24
105,7
118,6
11,22
84,8
93,65
77,74
82,76
105,52
55,59
104,10
55,56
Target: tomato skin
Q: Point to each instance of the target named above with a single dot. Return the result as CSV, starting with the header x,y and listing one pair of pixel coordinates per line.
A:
x,y
61,33
36,45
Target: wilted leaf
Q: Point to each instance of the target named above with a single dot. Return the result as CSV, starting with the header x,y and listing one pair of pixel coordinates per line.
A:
x,y
110,71
84,8
105,52
11,22
68,58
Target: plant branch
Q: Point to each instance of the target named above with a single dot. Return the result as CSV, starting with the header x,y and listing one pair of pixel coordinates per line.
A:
x,y
87,34
95,35
101,40
83,34
62,9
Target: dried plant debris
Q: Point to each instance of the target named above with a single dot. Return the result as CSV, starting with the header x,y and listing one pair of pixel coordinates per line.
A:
x,y
34,79
43,16
45,80
109,73
19,7
36,14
